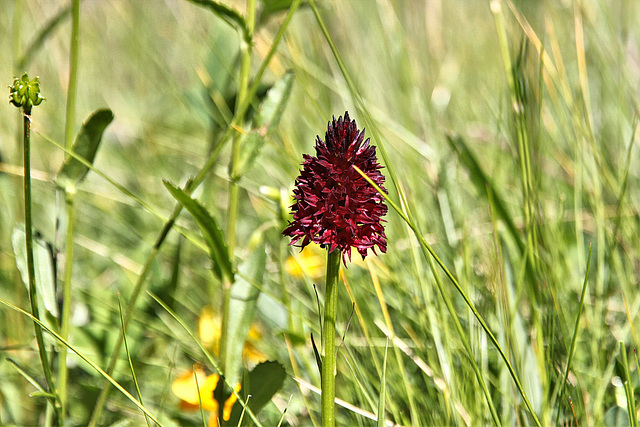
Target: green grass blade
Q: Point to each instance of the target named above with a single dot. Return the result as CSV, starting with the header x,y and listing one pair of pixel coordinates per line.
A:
x,y
195,376
574,339
383,388
29,378
126,349
628,388
482,182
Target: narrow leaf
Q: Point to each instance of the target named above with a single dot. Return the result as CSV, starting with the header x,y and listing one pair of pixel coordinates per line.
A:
x,y
383,387
226,13
481,179
86,146
210,230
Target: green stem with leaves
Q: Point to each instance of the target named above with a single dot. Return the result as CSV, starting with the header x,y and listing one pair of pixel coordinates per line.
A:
x,y
329,340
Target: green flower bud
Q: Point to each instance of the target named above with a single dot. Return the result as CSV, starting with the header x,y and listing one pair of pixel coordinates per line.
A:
x,y
25,93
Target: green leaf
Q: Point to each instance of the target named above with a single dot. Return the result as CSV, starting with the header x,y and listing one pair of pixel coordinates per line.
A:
x,y
244,296
218,250
228,14
44,270
86,146
272,107
266,121
262,383
272,7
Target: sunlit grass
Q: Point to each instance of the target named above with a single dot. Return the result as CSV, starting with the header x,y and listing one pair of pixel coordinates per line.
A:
x,y
508,140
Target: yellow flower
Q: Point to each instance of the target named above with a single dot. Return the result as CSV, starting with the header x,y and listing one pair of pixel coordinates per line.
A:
x,y
308,263
209,334
186,389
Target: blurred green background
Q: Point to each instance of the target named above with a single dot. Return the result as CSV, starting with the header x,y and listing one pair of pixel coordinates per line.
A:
x,y
556,147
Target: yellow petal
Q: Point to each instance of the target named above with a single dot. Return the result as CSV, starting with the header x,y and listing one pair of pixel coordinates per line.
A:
x,y
307,263
209,329
186,389
228,404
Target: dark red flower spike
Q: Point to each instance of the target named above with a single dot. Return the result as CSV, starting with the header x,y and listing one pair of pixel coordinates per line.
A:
x,y
334,206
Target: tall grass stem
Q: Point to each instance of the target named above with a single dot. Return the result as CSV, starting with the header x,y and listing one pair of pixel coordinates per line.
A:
x,y
69,198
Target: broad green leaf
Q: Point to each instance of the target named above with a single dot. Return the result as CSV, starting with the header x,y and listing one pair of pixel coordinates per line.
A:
x,y
262,383
265,122
210,230
86,146
244,297
44,271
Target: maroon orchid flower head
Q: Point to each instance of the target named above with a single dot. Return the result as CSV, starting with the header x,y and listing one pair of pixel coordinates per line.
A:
x,y
335,206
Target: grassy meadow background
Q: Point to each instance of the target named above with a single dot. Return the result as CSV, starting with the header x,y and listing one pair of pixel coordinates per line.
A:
x,y
512,172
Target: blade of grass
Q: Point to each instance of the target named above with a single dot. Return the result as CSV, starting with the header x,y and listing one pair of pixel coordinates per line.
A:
x,y
126,349
383,389
628,388
195,376
575,337
33,381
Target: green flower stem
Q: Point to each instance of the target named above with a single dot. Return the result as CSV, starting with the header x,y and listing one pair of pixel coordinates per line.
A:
x,y
33,295
329,340
69,204
191,186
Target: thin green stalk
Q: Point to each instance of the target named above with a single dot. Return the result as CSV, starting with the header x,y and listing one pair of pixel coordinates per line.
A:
x,y
574,339
465,342
628,388
73,75
66,300
126,349
190,187
328,379
428,250
33,295
69,203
